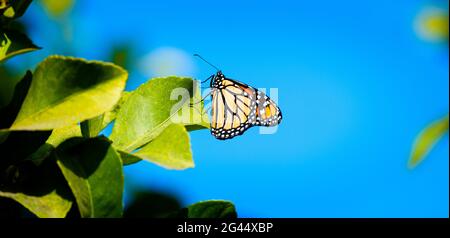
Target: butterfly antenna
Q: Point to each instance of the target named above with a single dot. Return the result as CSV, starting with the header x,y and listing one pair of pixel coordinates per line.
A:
x,y
197,55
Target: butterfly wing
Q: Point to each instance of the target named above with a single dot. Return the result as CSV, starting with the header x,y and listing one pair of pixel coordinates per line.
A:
x,y
236,107
267,111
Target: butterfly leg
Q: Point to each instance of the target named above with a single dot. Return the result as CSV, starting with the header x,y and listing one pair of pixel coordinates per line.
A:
x,y
209,78
203,99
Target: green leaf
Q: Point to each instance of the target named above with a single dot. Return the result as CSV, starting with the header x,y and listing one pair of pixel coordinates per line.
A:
x,y
111,115
198,115
128,158
150,204
209,209
171,149
20,6
9,12
149,110
93,170
66,91
92,127
50,205
4,4
61,134
14,43
55,139
42,190
120,55
427,139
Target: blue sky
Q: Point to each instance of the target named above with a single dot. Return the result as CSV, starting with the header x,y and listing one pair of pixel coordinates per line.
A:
x,y
355,84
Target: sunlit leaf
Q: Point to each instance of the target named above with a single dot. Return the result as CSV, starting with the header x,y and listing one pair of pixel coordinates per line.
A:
x,y
42,190
171,149
427,139
150,109
65,91
93,170
92,127
9,12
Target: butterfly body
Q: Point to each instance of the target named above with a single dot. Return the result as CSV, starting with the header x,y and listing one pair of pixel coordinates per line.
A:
x,y
236,107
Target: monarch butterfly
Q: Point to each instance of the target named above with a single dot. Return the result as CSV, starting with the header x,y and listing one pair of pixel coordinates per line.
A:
x,y
236,107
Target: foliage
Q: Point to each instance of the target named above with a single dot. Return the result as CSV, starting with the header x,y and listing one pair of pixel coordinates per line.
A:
x,y
55,158
56,8
427,139
433,26
210,209
13,42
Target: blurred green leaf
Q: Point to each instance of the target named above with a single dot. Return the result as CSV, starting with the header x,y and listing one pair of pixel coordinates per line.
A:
x,y
148,204
432,24
208,209
66,91
149,110
94,172
56,8
4,4
9,12
427,139
120,55
42,190
13,43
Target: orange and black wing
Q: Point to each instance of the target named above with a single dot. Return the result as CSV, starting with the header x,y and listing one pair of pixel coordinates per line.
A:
x,y
236,107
